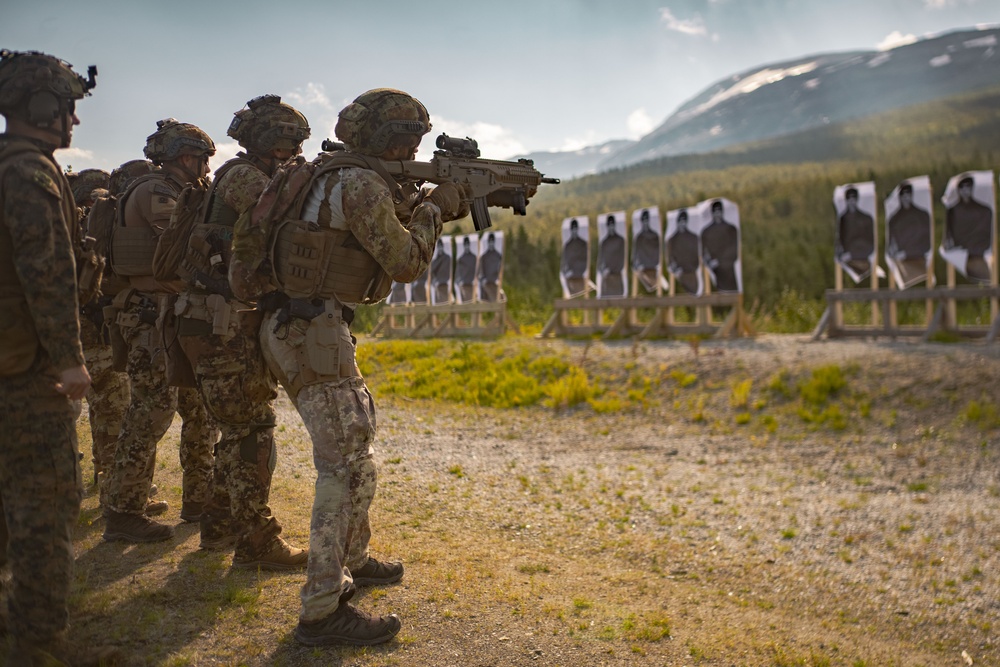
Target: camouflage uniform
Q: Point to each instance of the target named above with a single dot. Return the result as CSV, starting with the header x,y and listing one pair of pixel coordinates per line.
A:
x,y
340,415
40,486
108,396
149,202
236,386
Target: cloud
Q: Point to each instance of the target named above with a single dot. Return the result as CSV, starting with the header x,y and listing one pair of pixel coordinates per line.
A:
x,y
947,4
495,142
639,123
78,158
589,138
694,27
311,95
223,153
894,39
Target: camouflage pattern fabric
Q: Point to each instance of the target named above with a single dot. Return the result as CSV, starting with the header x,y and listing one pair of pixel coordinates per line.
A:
x,y
41,494
40,486
107,400
238,392
147,419
340,418
404,252
340,415
37,207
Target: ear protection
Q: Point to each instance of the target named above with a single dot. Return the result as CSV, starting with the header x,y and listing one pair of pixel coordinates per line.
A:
x,y
43,109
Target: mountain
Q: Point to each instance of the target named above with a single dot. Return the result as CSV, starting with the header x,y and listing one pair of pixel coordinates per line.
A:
x,y
811,92
569,164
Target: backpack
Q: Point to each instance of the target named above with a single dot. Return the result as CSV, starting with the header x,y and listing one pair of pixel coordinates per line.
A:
x,y
173,242
101,223
193,208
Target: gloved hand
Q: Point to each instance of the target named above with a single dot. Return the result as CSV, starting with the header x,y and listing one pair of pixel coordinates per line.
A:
x,y
451,199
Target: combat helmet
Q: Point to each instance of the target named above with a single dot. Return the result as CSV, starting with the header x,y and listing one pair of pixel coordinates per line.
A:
x,y
127,172
369,123
85,182
268,123
40,89
173,139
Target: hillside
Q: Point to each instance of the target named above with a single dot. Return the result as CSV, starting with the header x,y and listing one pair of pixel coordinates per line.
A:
x,y
783,187
816,91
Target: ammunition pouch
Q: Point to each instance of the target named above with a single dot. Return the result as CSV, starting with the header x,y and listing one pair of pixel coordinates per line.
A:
x,y
132,250
136,309
209,249
310,262
202,315
328,352
119,348
94,311
89,271
179,372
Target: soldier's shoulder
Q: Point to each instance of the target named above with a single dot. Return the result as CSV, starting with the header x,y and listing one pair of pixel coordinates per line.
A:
x,y
363,178
34,169
241,175
153,185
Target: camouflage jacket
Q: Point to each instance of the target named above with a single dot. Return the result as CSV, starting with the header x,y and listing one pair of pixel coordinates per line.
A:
x,y
38,293
357,200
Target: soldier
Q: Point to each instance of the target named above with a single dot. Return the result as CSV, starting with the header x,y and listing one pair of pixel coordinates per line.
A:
x,y
181,151
235,384
108,395
350,213
42,371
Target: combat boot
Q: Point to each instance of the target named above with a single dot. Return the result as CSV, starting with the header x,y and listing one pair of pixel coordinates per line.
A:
x,y
377,573
348,625
276,555
217,533
121,527
191,511
156,507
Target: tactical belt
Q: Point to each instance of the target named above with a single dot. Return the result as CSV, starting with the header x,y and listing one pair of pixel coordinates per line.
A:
x,y
136,308
302,309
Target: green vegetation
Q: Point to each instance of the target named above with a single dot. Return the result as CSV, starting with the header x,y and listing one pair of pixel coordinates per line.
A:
x,y
784,189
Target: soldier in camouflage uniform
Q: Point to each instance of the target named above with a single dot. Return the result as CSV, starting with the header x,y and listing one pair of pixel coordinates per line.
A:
x,y
219,337
108,394
364,234
42,372
182,151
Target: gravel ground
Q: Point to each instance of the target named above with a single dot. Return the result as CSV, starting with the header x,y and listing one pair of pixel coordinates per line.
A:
x,y
525,532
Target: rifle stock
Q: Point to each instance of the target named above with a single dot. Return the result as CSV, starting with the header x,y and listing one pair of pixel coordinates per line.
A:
x,y
491,182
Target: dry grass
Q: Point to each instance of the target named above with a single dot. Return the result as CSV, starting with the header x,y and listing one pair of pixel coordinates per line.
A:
x,y
671,532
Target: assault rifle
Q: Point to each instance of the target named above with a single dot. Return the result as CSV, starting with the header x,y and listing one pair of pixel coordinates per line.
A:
x,y
492,182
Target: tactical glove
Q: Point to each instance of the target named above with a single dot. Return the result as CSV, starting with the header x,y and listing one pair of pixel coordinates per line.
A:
x,y
451,199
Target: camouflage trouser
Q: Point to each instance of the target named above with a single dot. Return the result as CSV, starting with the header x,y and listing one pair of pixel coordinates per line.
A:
x,y
147,419
340,419
40,494
107,400
238,391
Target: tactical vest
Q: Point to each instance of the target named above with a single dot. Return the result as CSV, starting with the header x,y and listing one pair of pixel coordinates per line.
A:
x,y
210,245
310,260
132,248
19,342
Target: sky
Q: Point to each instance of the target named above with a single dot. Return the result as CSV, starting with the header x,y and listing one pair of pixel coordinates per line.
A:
x,y
517,75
